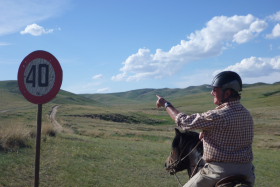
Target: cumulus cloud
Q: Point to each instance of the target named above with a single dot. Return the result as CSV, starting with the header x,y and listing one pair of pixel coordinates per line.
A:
x,y
255,67
275,32
246,35
98,76
218,34
16,14
36,30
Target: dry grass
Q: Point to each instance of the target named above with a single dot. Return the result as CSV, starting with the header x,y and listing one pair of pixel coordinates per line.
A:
x,y
14,137
18,135
48,130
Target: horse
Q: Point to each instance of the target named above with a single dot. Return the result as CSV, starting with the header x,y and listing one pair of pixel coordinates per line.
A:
x,y
187,152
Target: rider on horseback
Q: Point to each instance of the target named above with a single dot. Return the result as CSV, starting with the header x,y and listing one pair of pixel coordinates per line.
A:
x,y
227,132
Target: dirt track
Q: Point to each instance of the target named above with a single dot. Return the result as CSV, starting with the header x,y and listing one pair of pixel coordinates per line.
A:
x,y
56,125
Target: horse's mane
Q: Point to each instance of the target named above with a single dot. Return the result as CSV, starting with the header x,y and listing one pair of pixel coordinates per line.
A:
x,y
184,136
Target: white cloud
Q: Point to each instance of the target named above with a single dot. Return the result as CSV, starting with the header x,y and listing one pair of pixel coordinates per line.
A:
x,y
248,34
16,14
139,66
251,70
219,33
98,76
243,36
255,67
275,32
270,78
36,30
275,17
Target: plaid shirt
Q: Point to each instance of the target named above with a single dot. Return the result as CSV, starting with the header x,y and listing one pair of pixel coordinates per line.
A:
x,y
228,132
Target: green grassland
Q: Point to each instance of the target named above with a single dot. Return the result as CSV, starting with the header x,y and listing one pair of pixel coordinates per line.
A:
x,y
119,139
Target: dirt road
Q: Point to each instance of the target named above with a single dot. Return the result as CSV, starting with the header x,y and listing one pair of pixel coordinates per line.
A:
x,y
56,125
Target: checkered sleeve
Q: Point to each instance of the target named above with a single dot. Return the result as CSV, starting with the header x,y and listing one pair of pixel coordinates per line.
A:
x,y
199,120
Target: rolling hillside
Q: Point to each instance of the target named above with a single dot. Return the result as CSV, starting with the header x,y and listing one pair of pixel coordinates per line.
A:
x,y
146,95
11,96
255,95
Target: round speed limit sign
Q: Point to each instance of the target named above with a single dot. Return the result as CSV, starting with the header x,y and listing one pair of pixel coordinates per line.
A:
x,y
39,77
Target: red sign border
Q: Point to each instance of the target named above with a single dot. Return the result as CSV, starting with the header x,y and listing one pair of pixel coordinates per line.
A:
x,y
58,77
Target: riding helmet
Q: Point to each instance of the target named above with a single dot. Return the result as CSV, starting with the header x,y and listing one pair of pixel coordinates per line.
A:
x,y
228,79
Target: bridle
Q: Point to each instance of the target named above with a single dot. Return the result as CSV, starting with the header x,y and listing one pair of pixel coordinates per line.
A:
x,y
174,164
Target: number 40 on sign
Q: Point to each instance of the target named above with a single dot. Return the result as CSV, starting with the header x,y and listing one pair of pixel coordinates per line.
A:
x,y
39,77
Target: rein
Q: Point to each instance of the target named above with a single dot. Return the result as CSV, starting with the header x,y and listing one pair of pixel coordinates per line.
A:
x,y
178,161
191,174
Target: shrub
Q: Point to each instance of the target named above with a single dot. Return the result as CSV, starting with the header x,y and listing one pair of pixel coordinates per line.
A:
x,y
14,137
48,130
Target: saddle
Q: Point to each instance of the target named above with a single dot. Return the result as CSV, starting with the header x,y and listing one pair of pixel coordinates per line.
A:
x,y
233,181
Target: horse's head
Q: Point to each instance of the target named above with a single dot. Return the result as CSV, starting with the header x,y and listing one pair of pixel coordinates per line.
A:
x,y
183,154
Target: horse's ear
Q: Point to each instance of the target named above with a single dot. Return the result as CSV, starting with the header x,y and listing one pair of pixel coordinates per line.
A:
x,y
177,131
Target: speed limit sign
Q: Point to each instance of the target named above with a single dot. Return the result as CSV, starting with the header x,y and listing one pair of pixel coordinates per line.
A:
x,y
39,77
39,80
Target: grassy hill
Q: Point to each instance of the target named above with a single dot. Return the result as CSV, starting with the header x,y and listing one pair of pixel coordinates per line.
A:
x,y
146,95
119,139
259,91
10,94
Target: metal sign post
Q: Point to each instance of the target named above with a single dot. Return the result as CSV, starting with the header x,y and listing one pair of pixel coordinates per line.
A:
x,y
39,80
38,145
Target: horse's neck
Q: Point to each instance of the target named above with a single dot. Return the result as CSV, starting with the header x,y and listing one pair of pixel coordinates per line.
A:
x,y
194,160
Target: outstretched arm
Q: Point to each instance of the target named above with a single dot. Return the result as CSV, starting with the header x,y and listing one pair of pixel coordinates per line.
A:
x,y
171,110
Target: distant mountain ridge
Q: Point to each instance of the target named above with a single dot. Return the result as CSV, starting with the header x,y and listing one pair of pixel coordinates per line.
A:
x,y
10,90
148,94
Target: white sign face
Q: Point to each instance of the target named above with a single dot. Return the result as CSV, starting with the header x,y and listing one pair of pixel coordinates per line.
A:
x,y
39,77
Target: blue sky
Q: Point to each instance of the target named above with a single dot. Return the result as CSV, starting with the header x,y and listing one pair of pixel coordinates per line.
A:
x,y
107,46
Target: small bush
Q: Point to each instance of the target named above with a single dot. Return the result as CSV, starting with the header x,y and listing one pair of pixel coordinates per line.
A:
x,y
14,137
48,130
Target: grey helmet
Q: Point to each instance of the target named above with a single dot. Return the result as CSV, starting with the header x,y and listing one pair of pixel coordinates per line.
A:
x,y
228,79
